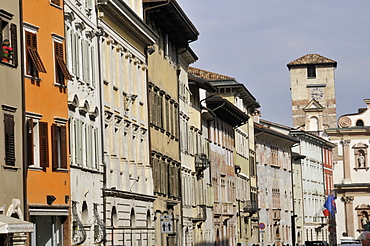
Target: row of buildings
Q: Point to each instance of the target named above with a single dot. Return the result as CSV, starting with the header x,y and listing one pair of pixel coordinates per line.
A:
x,y
110,137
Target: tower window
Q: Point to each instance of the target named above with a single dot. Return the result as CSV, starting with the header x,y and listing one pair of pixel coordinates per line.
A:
x,y
311,71
359,123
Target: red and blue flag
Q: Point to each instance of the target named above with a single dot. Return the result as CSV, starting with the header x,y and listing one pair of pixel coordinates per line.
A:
x,y
330,207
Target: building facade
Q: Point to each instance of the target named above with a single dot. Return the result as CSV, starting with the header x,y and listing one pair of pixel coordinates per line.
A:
x,y
128,198
175,32
11,128
350,172
46,95
312,87
275,183
84,110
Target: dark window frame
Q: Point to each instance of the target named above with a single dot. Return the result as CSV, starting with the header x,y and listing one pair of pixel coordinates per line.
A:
x,y
9,139
11,28
311,71
61,70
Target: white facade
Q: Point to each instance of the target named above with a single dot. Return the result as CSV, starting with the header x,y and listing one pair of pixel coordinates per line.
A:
x,y
84,121
351,171
129,183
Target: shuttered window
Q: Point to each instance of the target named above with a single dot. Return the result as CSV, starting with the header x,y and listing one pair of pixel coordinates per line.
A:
x,y
56,2
9,140
59,148
44,147
61,69
34,63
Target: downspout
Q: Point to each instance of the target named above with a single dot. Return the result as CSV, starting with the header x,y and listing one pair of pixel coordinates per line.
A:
x,y
154,7
24,158
101,122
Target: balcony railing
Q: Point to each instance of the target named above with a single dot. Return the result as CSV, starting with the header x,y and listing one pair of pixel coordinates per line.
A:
x,y
201,162
250,206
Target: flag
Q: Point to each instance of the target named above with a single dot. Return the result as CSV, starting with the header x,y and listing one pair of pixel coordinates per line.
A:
x,y
330,207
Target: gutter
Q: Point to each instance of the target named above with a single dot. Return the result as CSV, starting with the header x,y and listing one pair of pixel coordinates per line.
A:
x,y
154,7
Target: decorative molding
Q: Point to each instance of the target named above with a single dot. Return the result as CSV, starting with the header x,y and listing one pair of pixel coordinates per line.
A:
x,y
344,122
9,108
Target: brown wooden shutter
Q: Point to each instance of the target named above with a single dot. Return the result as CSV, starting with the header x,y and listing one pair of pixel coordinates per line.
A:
x,y
63,146
60,60
29,136
55,152
44,147
56,2
13,31
9,139
31,45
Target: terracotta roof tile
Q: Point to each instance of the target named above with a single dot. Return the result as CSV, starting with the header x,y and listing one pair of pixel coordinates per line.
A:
x,y
207,74
311,59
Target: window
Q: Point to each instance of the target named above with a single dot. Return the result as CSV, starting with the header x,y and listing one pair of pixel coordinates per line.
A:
x,y
61,71
37,143
34,65
9,139
8,39
359,123
311,71
59,148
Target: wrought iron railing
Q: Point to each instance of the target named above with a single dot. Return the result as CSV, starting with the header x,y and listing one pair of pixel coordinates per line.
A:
x,y
99,227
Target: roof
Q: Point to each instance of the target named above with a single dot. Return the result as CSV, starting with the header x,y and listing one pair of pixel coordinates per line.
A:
x,y
274,137
172,20
208,75
312,59
201,83
226,111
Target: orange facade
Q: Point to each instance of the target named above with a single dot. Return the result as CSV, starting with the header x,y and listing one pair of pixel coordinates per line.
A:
x,y
46,111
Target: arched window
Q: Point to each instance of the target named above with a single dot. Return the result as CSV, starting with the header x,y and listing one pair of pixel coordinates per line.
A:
x,y
359,123
314,124
148,219
114,217
85,214
132,218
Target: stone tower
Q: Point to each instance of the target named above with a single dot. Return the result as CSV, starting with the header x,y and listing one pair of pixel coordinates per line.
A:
x,y
312,87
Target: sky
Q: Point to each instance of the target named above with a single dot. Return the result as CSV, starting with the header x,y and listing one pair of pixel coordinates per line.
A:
x,y
253,40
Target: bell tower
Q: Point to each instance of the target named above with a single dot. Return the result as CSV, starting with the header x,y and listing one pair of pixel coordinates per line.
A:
x,y
312,86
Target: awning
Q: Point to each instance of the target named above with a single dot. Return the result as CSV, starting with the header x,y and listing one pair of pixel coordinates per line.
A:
x,y
13,225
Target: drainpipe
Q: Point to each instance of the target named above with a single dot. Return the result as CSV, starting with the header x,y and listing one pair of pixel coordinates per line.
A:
x,y
154,7
24,128
101,121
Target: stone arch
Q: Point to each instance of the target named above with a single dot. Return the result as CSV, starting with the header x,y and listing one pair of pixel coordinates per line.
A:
x,y
314,123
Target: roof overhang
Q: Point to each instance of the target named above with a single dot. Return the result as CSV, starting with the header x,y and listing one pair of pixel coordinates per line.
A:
x,y
227,111
171,20
201,83
273,137
241,89
128,20
13,225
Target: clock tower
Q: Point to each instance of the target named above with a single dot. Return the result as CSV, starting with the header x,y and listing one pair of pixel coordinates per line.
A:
x,y
312,88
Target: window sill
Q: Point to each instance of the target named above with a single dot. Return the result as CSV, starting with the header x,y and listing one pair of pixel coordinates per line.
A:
x,y
27,76
11,168
56,6
60,85
61,170
34,168
8,64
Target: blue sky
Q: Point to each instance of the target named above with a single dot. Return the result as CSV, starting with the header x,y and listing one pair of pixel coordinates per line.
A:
x,y
253,41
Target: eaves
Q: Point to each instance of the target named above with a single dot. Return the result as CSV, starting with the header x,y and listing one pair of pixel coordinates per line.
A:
x,y
128,20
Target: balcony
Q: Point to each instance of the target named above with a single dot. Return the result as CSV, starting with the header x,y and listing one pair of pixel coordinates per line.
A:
x,y
250,207
201,213
201,162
